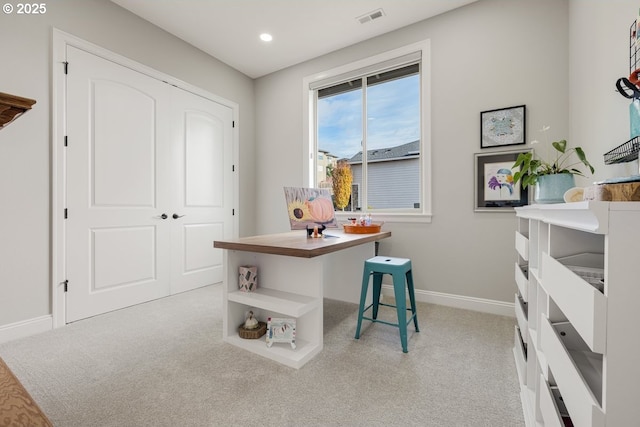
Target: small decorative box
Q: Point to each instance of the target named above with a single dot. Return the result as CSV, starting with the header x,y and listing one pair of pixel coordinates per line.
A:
x,y
248,278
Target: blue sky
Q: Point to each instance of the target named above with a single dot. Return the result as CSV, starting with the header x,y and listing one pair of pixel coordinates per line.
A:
x,y
393,117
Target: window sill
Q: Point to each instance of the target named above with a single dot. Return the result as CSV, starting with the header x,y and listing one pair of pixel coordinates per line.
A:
x,y
388,217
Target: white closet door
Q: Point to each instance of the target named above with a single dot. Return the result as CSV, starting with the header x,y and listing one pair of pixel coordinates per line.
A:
x,y
117,244
148,187
203,155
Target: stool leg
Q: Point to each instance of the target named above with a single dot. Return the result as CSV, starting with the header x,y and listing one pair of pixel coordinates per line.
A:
x,y
363,297
377,287
412,299
401,307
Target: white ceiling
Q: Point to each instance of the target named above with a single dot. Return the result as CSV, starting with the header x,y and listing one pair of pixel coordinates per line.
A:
x,y
302,29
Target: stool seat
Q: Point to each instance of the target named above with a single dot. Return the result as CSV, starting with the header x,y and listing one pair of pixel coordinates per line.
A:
x,y
400,270
386,264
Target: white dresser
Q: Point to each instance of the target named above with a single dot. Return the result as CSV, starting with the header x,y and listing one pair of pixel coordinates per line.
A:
x,y
577,339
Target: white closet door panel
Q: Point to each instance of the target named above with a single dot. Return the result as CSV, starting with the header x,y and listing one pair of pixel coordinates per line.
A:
x,y
113,252
117,244
198,239
203,182
123,155
204,154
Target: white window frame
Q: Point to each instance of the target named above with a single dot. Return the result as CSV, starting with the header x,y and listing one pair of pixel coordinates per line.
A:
x,y
309,125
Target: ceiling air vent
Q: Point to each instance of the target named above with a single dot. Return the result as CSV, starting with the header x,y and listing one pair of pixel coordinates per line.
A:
x,y
367,17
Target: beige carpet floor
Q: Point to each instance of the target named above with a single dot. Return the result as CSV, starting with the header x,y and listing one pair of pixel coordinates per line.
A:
x,y
164,363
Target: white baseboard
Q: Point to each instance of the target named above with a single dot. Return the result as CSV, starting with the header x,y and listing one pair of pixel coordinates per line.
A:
x,y
500,308
25,328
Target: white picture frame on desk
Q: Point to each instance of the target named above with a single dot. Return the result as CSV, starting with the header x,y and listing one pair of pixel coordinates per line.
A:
x,y
280,329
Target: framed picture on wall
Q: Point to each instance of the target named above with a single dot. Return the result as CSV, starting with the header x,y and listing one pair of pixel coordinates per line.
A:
x,y
504,126
494,187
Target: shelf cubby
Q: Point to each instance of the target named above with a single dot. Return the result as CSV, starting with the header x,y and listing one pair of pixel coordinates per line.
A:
x,y
583,304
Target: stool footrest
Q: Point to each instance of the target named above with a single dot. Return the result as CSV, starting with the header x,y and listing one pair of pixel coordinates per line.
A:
x,y
380,321
389,305
409,319
386,305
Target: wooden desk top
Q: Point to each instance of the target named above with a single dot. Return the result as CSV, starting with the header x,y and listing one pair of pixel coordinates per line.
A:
x,y
297,244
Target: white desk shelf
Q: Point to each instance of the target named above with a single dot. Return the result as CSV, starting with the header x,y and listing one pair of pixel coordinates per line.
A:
x,y
581,353
286,303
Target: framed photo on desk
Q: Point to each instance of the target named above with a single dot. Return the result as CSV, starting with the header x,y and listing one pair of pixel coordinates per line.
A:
x,y
309,208
281,330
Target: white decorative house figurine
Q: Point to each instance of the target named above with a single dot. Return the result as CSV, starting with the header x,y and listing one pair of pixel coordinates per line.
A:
x,y
251,322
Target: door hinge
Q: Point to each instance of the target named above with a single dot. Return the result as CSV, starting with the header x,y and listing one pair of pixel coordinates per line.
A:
x,y
233,168
233,212
66,67
66,285
65,140
65,213
233,123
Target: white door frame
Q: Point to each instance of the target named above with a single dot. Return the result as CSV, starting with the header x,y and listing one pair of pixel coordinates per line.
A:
x,y
58,185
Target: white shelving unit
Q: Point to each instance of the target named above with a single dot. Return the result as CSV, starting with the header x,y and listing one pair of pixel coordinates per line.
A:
x,y
295,274
576,349
287,287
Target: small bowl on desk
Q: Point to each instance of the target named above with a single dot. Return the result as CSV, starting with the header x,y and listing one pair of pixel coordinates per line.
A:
x,y
362,229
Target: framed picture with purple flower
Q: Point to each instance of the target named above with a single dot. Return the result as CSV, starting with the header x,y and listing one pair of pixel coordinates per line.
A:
x,y
494,187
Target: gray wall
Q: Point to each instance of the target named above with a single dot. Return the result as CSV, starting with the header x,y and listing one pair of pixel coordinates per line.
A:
x,y
559,57
599,55
489,54
25,70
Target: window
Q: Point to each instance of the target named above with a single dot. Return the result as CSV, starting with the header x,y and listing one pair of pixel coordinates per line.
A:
x,y
380,110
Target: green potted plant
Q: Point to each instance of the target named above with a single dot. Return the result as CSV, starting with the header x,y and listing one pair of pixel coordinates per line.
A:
x,y
551,178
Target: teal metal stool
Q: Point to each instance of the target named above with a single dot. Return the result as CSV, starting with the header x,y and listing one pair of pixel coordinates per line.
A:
x,y
400,270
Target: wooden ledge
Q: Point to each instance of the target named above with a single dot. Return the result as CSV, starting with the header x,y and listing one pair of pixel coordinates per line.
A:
x,y
12,107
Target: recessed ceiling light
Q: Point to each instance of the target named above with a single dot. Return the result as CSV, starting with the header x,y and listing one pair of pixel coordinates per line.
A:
x,y
266,37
